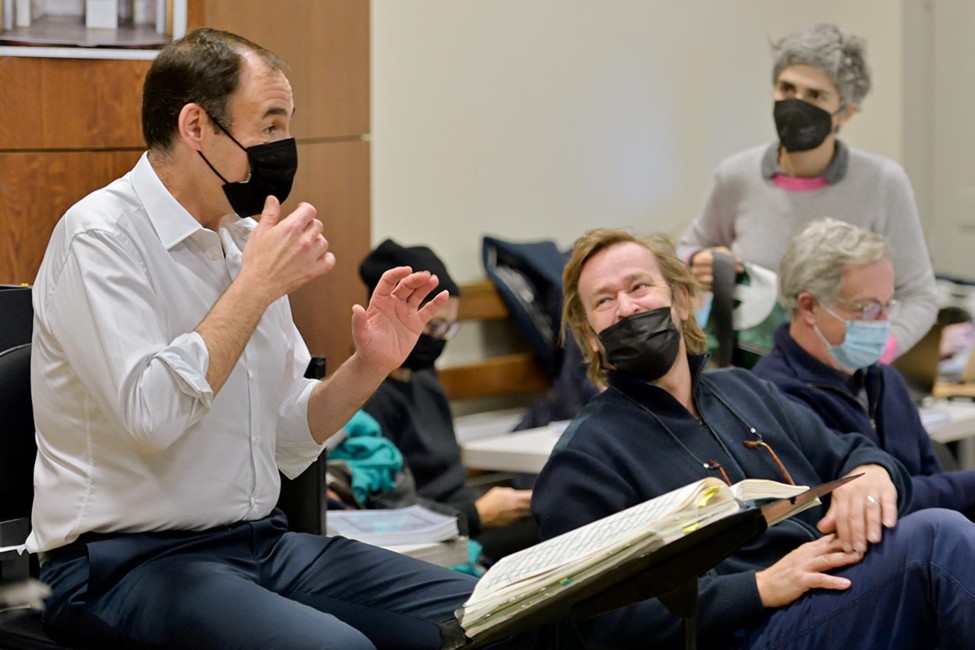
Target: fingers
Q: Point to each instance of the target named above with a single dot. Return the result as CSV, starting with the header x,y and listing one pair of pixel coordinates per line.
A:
x,y
412,288
271,212
858,518
853,528
888,503
415,287
874,519
432,307
827,581
805,567
389,281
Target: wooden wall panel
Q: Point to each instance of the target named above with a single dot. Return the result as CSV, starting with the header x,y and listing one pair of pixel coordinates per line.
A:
x,y
334,177
35,190
70,103
326,44
70,126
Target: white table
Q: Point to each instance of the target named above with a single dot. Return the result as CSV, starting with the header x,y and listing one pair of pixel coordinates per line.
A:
x,y
526,451
521,451
957,424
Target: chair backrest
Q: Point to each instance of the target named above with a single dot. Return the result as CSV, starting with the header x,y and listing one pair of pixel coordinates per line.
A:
x,y
18,448
18,315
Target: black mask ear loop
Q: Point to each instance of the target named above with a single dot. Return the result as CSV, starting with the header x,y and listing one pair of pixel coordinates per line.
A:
x,y
212,168
227,133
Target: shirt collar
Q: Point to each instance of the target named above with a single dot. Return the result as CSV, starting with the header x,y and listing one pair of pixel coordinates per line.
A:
x,y
834,172
169,219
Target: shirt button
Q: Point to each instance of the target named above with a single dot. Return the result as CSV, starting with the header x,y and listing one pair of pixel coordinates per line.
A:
x,y
252,375
257,440
253,502
215,254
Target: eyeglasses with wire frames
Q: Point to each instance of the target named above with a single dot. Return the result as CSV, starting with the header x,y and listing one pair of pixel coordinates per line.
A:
x,y
442,329
753,444
869,311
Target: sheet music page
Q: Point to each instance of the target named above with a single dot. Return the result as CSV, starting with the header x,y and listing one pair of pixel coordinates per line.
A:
x,y
577,545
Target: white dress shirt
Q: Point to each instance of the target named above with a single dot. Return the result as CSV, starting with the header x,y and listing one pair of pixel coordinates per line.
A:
x,y
129,434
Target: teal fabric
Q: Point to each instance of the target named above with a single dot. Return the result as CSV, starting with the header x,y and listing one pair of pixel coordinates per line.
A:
x,y
473,565
374,460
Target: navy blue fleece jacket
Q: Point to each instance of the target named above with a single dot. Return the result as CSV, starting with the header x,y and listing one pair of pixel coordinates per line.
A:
x,y
889,418
634,442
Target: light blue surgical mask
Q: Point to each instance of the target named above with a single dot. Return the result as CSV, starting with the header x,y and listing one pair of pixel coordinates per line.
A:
x,y
863,345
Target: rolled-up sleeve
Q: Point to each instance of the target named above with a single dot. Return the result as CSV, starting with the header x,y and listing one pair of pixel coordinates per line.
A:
x,y
296,448
106,316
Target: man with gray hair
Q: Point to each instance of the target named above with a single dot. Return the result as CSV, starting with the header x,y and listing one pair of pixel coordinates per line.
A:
x,y
838,282
762,196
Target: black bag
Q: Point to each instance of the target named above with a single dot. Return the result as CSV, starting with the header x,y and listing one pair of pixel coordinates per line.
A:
x,y
529,278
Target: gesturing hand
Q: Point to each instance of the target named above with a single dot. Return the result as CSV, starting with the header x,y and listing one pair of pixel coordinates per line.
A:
x,y
283,254
861,508
386,330
804,569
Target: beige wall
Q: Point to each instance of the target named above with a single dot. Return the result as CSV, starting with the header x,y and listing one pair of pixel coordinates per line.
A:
x,y
538,120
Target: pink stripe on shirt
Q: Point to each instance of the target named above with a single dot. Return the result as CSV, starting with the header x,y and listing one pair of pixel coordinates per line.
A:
x,y
799,184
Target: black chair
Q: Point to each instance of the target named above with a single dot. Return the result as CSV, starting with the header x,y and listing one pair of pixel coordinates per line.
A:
x,y
17,453
303,499
18,315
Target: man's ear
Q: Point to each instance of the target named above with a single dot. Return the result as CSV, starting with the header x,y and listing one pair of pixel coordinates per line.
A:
x,y
193,122
681,302
805,302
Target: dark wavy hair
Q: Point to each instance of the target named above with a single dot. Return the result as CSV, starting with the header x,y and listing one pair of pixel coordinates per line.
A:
x,y
203,68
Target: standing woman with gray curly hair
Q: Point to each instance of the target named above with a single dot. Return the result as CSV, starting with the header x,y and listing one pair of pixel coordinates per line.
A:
x,y
762,196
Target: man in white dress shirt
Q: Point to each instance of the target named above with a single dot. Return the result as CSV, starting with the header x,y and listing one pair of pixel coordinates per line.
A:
x,y
167,379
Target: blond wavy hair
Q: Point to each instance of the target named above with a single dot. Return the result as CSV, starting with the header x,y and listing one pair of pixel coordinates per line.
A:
x,y
683,286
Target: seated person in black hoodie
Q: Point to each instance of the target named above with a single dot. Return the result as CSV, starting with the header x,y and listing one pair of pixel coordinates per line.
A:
x,y
838,281
413,411
848,574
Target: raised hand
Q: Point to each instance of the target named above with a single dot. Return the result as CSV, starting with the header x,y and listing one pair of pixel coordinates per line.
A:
x,y
386,330
282,254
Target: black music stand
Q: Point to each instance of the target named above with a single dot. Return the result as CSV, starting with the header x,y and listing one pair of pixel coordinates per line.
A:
x,y
669,573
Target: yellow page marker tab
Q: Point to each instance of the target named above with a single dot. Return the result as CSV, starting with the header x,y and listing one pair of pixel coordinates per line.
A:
x,y
706,496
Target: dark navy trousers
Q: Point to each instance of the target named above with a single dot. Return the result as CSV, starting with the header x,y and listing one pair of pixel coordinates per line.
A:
x,y
253,585
914,590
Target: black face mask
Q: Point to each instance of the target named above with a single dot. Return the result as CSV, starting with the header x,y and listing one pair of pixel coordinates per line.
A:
x,y
273,166
800,125
644,345
426,351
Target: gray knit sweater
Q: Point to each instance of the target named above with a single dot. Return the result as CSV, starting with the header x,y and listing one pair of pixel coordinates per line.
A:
x,y
747,212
